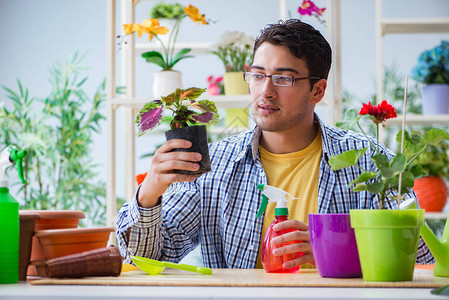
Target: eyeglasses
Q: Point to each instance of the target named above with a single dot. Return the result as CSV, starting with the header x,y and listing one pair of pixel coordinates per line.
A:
x,y
279,80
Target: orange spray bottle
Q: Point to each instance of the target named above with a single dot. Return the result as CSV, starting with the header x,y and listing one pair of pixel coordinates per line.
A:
x,y
270,262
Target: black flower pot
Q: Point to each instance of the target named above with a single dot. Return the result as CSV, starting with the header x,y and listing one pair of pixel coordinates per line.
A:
x,y
198,136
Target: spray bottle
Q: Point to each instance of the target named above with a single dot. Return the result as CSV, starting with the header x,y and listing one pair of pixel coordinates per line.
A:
x,y
9,218
271,263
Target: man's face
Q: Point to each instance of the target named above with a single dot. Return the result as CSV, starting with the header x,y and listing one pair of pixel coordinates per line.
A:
x,y
279,108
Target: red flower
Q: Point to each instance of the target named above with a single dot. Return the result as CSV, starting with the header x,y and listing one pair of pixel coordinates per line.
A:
x,y
140,178
380,113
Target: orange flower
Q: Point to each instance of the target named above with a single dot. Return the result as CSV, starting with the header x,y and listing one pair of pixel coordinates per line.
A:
x,y
140,178
139,29
195,15
128,28
152,28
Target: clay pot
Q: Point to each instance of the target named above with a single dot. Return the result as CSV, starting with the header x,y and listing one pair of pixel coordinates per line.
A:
x,y
51,219
27,221
60,242
431,192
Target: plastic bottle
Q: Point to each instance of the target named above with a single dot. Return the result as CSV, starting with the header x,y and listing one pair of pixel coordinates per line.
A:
x,y
270,262
9,219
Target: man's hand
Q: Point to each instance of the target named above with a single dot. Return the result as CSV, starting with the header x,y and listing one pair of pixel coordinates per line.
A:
x,y
301,234
161,174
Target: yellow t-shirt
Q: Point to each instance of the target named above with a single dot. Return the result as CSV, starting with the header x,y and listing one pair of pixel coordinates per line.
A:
x,y
296,173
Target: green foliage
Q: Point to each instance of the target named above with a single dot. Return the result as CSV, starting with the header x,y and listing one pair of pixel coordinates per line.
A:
x,y
167,10
57,131
180,103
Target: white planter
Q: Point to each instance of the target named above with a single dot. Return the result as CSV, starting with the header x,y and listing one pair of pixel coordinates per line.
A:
x,y
166,82
435,99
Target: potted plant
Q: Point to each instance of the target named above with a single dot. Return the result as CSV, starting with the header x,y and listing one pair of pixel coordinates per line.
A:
x,y
431,189
432,70
181,102
387,239
167,80
234,49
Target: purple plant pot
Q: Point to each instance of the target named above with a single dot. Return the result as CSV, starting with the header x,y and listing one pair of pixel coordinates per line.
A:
x,y
334,246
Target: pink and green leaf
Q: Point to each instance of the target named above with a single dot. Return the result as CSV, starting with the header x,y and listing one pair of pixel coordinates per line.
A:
x,y
149,116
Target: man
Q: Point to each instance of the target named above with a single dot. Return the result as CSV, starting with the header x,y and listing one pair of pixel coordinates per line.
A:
x,y
289,148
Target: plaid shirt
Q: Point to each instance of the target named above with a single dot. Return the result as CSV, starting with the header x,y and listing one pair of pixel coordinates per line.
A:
x,y
218,209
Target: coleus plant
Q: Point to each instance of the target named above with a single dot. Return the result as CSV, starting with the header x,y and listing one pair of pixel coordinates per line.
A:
x,y
186,110
385,180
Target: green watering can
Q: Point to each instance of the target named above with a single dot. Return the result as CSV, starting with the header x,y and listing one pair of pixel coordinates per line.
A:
x,y
439,249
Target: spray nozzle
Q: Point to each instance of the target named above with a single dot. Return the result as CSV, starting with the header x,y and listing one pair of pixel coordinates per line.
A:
x,y
9,156
273,194
17,157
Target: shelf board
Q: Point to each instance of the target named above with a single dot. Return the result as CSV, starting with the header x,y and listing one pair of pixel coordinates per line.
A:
x,y
420,120
197,48
436,215
434,25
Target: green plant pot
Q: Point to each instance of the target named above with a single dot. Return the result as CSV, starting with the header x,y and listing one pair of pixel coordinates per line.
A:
x,y
387,241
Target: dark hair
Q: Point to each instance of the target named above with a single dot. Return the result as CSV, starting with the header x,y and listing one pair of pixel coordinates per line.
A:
x,y
303,41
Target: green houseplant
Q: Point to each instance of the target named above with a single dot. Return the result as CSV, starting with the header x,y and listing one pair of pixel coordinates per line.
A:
x,y
432,70
186,111
383,258
235,49
58,133
431,189
167,80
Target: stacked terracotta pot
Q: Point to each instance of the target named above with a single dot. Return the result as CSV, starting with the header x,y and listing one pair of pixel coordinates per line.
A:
x,y
56,234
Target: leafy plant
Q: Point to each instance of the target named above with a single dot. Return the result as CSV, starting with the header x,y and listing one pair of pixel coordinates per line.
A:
x,y
433,65
385,180
179,102
167,11
235,49
58,134
167,59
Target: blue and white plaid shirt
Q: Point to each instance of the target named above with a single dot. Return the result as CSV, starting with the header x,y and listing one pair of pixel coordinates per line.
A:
x,y
218,209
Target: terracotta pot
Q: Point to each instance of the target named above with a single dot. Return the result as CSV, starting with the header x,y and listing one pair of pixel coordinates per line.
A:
x,y
60,242
51,219
431,192
27,221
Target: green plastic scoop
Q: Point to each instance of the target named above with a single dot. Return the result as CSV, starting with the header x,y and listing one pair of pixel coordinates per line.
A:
x,y
153,267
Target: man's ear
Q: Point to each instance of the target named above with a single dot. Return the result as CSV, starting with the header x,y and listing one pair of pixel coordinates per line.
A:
x,y
318,90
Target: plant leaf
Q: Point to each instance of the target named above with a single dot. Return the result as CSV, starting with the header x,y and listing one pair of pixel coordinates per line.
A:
x,y
349,121
360,187
434,136
149,116
375,187
204,118
364,177
155,57
346,159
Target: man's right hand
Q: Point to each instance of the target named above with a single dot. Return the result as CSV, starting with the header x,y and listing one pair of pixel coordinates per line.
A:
x,y
161,174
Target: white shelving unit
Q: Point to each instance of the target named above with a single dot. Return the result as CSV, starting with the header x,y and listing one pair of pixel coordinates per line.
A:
x,y
129,104
409,26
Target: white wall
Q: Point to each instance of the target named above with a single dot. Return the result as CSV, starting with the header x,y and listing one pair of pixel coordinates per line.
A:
x,y
35,33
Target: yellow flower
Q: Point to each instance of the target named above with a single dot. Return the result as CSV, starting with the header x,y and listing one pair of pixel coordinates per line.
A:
x,y
152,28
139,29
128,28
194,14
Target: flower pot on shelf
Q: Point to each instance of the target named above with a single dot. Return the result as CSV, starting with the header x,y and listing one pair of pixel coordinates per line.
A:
x,y
198,136
166,82
431,192
387,241
435,99
334,246
235,85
